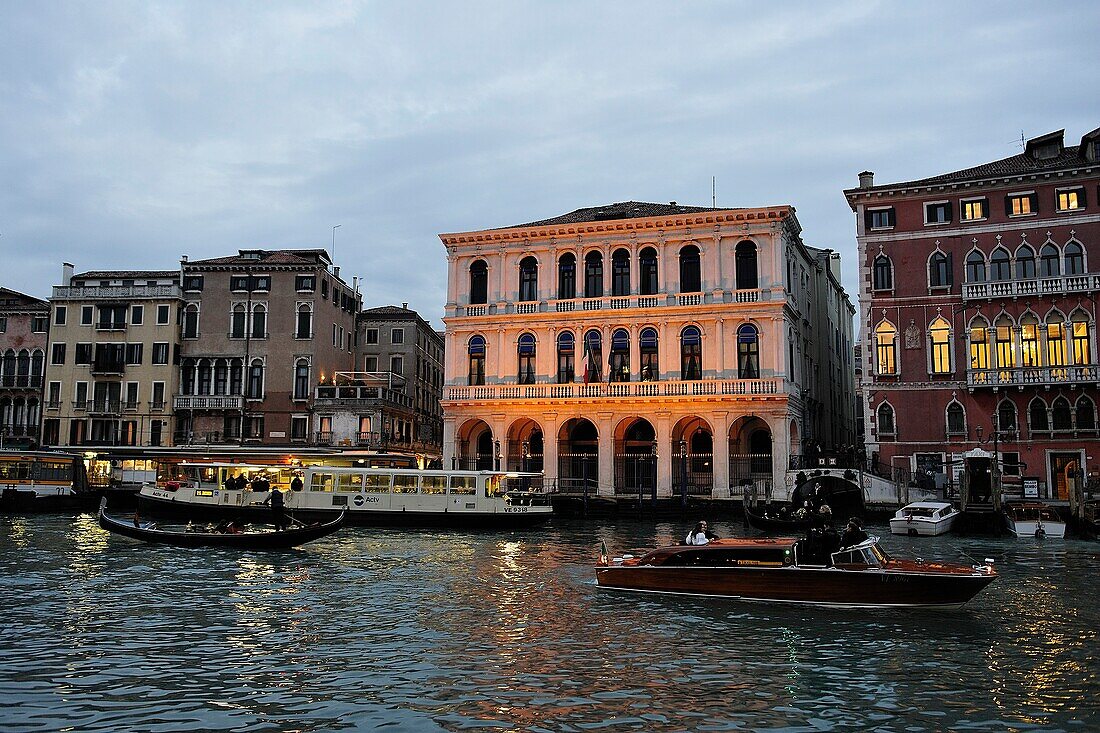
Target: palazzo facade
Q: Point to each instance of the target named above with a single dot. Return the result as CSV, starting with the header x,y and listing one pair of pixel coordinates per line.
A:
x,y
978,301
643,348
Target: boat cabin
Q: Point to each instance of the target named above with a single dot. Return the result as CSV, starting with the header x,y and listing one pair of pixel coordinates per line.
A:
x,y
866,554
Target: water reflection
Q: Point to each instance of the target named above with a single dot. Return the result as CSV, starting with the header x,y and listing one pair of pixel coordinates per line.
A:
x,y
448,630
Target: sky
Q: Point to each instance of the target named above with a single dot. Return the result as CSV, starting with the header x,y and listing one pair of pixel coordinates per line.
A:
x,y
132,133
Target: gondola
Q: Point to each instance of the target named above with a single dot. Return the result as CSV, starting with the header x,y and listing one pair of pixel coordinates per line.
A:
x,y
758,521
268,540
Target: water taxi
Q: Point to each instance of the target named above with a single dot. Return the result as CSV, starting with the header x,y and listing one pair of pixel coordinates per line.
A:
x,y
1033,519
924,519
378,496
787,570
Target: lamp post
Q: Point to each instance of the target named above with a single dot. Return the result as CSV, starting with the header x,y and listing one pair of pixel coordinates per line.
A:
x,y
526,455
496,453
683,473
653,472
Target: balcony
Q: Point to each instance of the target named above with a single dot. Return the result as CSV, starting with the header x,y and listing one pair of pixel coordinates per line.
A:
x,y
207,402
1063,285
104,407
358,396
108,367
1033,376
118,292
613,302
21,381
600,390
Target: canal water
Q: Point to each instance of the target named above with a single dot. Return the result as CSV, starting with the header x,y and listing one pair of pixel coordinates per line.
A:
x,y
447,631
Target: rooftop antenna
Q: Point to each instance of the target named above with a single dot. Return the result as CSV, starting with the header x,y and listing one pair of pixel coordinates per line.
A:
x,y
713,205
1022,142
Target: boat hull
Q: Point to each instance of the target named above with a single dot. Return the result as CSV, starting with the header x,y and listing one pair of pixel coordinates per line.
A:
x,y
873,588
1030,528
919,527
245,541
518,517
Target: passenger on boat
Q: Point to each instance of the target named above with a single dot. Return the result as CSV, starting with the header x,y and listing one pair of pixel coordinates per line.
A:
x,y
296,483
853,533
826,514
278,509
260,483
700,535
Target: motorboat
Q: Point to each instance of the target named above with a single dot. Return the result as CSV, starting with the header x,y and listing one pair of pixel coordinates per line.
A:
x,y
44,481
245,539
924,519
371,496
802,571
1033,519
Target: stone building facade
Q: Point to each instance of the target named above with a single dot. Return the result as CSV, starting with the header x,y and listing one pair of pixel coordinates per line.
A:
x,y
978,301
24,326
641,348
110,370
258,331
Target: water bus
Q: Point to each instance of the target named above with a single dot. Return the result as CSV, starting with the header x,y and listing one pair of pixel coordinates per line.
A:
x,y
377,496
786,570
44,481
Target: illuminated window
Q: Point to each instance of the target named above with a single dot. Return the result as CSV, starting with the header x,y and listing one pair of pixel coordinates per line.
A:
x,y
1082,349
886,348
979,347
940,333
1020,204
476,351
1071,199
974,209
1056,344
1006,354
1029,344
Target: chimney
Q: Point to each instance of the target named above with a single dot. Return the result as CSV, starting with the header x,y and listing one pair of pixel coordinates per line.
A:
x,y
336,271
866,179
183,259
66,273
671,203
404,306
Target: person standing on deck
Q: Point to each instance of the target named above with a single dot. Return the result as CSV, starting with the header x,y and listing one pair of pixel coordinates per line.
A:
x,y
278,508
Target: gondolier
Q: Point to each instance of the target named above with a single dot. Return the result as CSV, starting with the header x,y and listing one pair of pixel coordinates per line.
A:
x,y
278,508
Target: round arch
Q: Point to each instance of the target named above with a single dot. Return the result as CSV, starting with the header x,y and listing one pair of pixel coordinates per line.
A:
x,y
525,446
578,455
475,446
635,456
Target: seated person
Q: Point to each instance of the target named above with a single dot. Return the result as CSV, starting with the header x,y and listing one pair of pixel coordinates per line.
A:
x,y
853,533
700,535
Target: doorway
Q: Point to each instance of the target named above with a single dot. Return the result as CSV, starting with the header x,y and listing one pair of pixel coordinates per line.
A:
x,y
1063,474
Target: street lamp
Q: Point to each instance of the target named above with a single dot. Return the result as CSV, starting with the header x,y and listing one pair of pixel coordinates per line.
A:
x,y
653,471
683,473
496,446
526,446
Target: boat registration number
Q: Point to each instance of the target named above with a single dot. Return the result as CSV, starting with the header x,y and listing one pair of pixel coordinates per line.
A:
x,y
159,494
515,510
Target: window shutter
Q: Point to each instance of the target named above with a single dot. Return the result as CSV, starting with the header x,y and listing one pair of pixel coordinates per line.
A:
x,y
1008,206
950,269
1082,198
867,220
1034,202
950,211
890,216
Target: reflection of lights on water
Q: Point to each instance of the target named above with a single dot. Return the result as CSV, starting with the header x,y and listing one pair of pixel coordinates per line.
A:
x,y
20,533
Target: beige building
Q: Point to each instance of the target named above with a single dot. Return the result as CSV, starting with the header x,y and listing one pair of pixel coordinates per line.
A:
x,y
641,347
259,330
110,371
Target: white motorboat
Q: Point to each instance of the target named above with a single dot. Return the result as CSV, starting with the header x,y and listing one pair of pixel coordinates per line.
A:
x,y
924,519
1034,519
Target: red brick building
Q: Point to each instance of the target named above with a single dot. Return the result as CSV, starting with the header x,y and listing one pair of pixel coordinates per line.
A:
x,y
978,297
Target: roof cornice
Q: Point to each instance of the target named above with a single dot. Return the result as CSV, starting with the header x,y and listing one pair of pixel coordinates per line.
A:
x,y
908,189
768,214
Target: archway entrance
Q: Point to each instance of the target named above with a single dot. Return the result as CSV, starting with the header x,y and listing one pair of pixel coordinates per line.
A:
x,y
525,446
578,459
635,457
475,447
750,442
693,451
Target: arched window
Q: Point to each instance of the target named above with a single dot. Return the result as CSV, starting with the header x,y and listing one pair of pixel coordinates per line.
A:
x,y
1081,342
1000,266
745,263
1061,415
748,352
593,275
886,419
525,349
939,334
566,349
1025,263
1029,341
256,379
1056,344
1086,414
479,282
38,360
886,348
620,273
975,267
593,356
9,363
1005,348
236,377
1006,417
205,374
304,326
1048,261
691,354
476,351
221,377
567,277
647,261
689,270
883,273
191,321
528,279
259,321
1037,412
979,344
620,356
647,348
939,270
1075,259
301,379
956,419
238,322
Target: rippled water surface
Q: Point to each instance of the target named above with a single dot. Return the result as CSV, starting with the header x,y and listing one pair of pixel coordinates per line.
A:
x,y
428,631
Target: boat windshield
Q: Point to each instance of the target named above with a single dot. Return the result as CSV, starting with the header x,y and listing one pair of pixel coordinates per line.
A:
x,y
882,555
919,511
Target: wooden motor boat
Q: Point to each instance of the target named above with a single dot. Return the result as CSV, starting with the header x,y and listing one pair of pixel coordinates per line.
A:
x,y
1033,519
787,570
924,519
766,522
265,540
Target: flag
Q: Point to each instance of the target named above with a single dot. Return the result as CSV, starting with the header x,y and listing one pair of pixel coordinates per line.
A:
x,y
610,361
587,362
603,553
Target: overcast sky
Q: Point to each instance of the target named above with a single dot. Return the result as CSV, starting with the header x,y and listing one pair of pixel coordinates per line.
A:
x,y
134,132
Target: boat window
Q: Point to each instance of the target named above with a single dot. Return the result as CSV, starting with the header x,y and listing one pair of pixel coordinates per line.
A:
x,y
321,482
732,557
350,482
404,484
433,485
848,557
493,485
920,512
54,471
15,470
377,483
463,485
